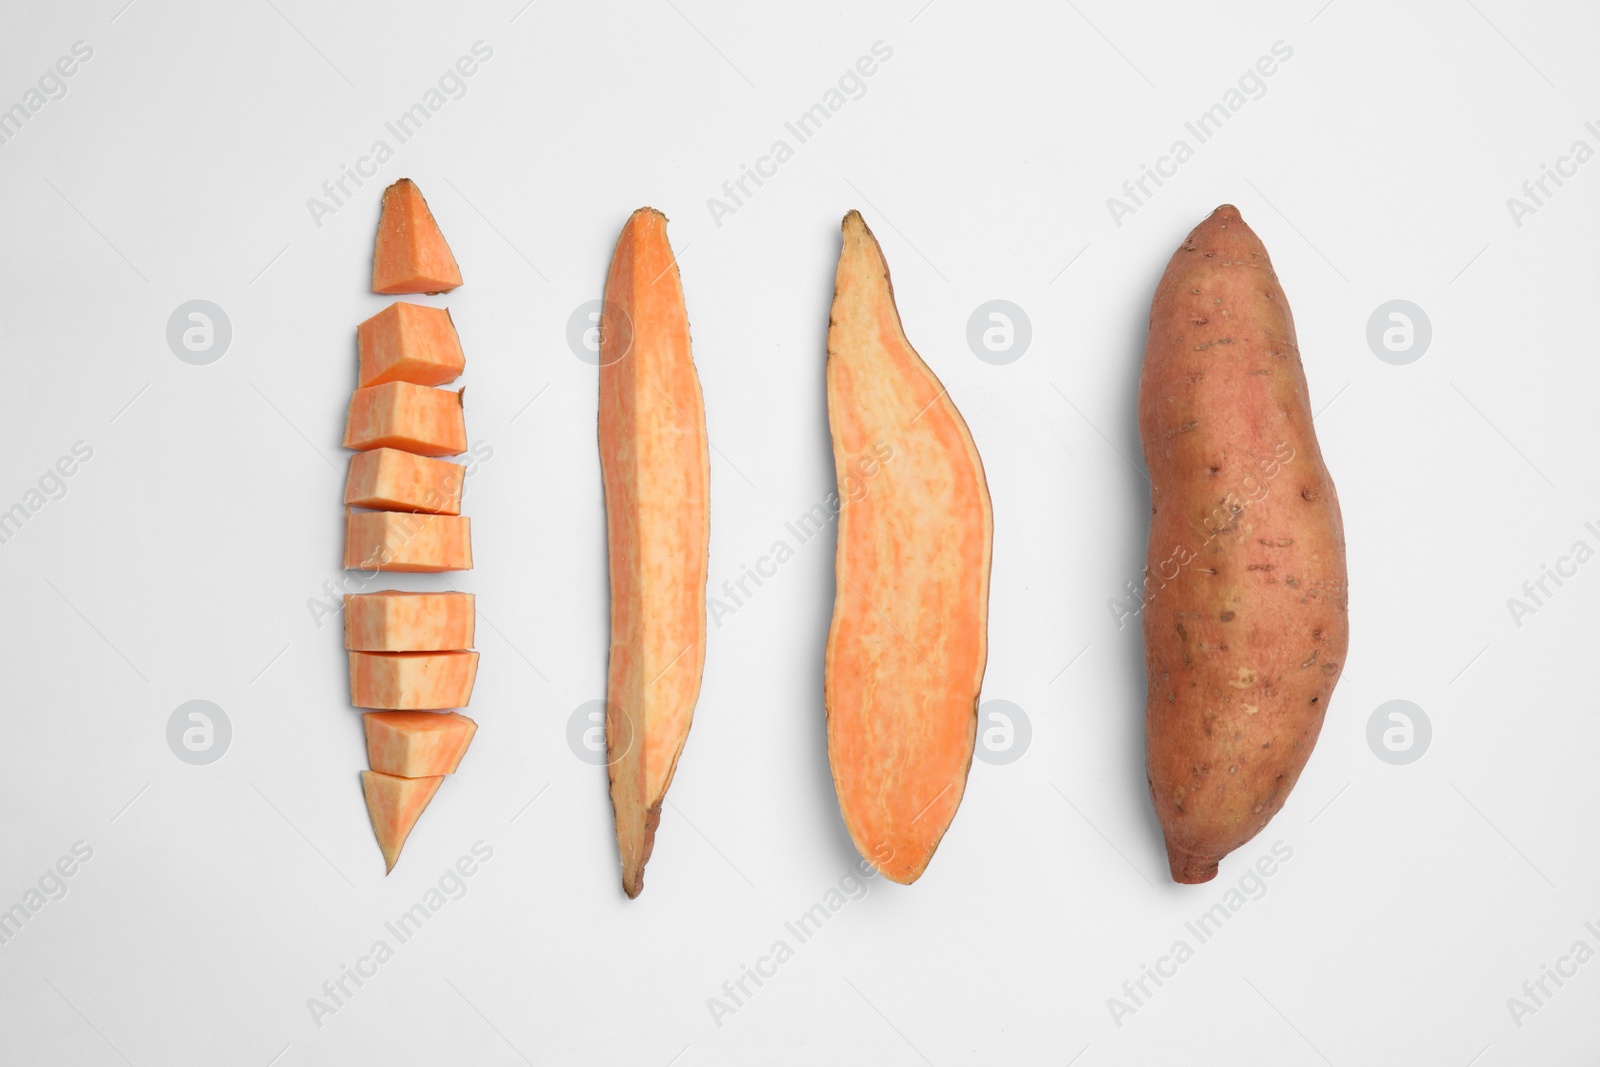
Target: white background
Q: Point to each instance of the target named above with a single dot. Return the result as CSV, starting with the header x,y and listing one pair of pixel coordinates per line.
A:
x,y
180,563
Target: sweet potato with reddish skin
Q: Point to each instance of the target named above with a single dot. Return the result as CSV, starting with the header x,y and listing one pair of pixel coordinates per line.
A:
x,y
656,469
909,638
1245,622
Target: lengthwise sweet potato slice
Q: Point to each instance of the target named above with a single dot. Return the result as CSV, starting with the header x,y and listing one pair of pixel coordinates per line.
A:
x,y
407,542
395,621
409,343
388,479
412,418
417,744
656,471
411,255
909,639
394,805
412,681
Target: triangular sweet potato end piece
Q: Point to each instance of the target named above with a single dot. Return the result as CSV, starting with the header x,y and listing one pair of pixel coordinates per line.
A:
x,y
411,254
395,804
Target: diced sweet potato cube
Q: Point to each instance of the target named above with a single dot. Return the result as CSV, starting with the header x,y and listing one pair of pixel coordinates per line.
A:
x,y
412,681
417,744
394,805
407,541
414,418
388,479
409,343
393,621
411,255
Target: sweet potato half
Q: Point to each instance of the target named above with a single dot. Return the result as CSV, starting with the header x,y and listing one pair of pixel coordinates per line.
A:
x,y
1245,622
909,639
655,466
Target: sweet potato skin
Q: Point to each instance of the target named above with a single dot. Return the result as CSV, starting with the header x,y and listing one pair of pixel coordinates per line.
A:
x,y
1246,613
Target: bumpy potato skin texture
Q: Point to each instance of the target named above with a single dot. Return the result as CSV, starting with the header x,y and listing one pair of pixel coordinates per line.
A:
x,y
1246,607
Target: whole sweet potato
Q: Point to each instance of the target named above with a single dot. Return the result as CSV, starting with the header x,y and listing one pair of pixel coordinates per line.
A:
x,y
1245,620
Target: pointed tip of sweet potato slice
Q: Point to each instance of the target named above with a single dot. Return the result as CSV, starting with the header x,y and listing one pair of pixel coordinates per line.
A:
x,y
908,642
411,254
641,834
395,804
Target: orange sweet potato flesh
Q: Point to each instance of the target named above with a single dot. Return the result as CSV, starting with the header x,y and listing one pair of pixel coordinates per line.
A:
x,y
412,681
909,639
411,255
407,542
409,343
395,621
394,805
388,479
1245,624
412,418
656,471
417,744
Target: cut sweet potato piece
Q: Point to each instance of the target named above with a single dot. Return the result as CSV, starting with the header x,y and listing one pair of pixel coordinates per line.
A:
x,y
409,343
412,681
393,621
395,804
909,638
417,744
405,541
656,470
413,418
411,255
388,479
